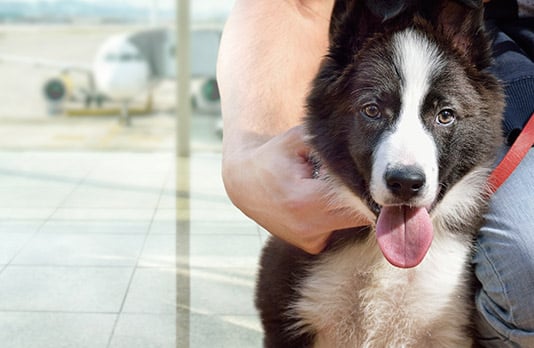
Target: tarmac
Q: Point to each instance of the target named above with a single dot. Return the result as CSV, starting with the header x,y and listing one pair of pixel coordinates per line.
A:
x,y
154,132
25,120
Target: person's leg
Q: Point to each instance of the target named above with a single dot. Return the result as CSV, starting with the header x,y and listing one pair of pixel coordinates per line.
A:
x,y
504,263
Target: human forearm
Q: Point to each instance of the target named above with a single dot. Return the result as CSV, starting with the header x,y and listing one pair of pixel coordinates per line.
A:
x,y
270,52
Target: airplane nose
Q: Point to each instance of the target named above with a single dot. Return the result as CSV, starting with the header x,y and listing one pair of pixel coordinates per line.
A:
x,y
405,182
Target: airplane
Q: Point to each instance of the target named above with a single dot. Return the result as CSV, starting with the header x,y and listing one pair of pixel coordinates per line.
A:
x,y
126,65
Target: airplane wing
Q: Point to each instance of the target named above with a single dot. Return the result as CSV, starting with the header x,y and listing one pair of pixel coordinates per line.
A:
x,y
46,63
57,89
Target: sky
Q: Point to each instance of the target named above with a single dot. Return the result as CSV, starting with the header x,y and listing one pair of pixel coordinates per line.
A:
x,y
200,9
197,6
204,6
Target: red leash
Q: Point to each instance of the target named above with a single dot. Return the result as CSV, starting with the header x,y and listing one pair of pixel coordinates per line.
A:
x,y
511,160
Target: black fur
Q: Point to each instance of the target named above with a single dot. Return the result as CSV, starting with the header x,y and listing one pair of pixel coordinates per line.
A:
x,y
357,69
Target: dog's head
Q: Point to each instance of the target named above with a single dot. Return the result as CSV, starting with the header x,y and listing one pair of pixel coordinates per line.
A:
x,y
402,111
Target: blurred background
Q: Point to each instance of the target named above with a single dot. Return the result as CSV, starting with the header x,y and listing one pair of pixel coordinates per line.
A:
x,y
69,68
108,238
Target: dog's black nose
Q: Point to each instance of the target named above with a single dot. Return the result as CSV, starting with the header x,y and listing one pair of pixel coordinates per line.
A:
x,y
405,182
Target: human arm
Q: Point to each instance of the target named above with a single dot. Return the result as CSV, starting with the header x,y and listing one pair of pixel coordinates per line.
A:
x,y
270,51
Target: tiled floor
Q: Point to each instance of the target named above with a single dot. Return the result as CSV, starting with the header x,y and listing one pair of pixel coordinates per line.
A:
x,y
123,250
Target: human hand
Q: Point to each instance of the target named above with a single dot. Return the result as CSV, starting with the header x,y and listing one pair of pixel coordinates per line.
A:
x,y
273,185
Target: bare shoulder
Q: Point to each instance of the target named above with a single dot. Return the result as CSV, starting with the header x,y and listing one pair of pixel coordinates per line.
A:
x,y
305,8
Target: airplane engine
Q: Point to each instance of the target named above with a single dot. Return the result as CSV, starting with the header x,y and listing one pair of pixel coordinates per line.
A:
x,y
205,95
210,90
56,91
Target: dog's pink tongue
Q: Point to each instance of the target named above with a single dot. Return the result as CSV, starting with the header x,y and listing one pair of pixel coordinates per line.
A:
x,y
404,235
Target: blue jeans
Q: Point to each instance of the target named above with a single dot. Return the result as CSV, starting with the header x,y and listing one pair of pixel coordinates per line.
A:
x,y
504,263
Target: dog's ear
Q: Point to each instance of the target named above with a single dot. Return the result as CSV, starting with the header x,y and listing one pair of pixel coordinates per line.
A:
x,y
354,21
351,24
461,22
387,9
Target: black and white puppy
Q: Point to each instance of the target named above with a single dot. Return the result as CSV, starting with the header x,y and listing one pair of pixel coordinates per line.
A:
x,y
406,123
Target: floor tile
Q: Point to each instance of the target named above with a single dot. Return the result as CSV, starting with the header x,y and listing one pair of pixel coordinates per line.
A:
x,y
51,164
53,330
223,291
168,198
21,197
99,221
153,291
65,289
101,245
109,215
145,331
230,228
212,209
223,332
20,226
81,249
224,250
36,179
164,221
112,197
159,251
11,243
94,220
25,214
126,178
95,227
35,175
131,170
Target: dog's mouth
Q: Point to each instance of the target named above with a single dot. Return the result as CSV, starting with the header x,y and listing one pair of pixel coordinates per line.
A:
x,y
404,234
404,230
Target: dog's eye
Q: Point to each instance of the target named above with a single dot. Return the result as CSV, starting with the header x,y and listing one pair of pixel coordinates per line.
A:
x,y
371,111
445,117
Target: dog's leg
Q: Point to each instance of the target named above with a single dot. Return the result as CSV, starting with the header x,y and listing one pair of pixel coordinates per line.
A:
x,y
281,268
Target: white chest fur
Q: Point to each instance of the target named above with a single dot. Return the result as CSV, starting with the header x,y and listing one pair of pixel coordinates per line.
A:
x,y
354,298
